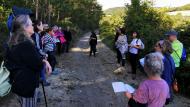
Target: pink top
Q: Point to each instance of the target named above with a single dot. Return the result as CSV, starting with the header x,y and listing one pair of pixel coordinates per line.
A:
x,y
152,92
60,36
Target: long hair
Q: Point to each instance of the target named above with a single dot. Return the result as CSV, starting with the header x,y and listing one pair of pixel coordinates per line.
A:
x,y
36,24
18,32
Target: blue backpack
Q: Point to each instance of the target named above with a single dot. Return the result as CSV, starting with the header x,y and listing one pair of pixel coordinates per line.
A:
x,y
9,21
184,55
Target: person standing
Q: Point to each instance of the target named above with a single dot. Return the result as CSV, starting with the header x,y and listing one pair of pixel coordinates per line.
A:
x,y
176,45
134,47
121,47
49,44
37,38
68,37
164,47
24,62
93,43
154,91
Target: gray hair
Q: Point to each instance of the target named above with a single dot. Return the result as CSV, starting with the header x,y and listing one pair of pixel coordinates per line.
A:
x,y
154,64
18,32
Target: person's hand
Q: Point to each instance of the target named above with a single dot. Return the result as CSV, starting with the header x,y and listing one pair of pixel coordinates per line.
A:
x,y
48,67
129,95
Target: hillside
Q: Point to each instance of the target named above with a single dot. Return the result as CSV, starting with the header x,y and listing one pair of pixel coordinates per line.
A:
x,y
181,8
115,10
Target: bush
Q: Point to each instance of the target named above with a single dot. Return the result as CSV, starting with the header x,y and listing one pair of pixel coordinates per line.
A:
x,y
3,37
150,23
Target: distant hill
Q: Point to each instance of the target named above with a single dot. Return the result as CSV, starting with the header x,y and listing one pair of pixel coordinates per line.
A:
x,y
181,8
115,10
121,10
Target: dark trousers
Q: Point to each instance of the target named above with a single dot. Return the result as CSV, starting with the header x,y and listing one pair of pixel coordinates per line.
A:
x,y
67,45
133,61
93,50
59,47
119,58
52,59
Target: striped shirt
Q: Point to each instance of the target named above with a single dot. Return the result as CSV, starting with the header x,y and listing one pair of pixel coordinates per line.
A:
x,y
49,43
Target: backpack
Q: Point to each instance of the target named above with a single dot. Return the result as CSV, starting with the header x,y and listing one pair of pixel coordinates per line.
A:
x,y
9,21
5,86
184,55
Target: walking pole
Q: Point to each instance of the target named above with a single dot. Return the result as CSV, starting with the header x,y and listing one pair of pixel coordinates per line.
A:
x,y
44,93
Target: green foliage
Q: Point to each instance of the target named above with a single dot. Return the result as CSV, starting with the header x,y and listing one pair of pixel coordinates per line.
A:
x,y
150,23
108,24
116,10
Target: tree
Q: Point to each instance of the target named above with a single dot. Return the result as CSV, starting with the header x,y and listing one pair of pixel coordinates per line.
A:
x,y
150,23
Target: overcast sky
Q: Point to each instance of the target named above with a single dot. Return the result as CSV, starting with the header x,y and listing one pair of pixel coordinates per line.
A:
x,y
157,3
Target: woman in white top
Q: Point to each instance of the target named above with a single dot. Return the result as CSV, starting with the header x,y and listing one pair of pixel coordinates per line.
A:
x,y
121,46
134,47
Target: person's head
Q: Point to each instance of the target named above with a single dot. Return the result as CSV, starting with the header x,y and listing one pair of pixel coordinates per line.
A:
x,y
55,28
122,31
167,47
68,28
171,35
93,34
163,46
158,46
153,64
22,29
60,29
38,26
50,31
134,35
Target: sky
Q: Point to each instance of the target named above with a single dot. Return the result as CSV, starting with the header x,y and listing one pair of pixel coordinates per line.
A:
x,y
157,3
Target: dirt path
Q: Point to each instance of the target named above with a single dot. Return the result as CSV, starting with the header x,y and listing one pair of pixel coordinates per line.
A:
x,y
86,82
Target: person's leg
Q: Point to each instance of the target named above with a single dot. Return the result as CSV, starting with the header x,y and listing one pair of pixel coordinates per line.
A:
x,y
52,60
90,50
63,47
59,48
67,46
94,49
134,65
123,59
43,76
28,102
118,56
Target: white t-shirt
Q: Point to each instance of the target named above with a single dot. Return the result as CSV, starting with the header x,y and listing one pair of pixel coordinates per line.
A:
x,y
134,43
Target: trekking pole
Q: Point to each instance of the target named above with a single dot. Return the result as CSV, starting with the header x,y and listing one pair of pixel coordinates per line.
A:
x,y
44,93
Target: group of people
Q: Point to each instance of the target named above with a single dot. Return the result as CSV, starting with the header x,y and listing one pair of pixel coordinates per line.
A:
x,y
159,66
30,55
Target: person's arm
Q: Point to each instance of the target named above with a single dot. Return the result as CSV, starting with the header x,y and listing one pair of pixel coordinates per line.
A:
x,y
138,45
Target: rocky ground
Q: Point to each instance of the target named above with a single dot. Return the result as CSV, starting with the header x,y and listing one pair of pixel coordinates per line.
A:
x,y
86,81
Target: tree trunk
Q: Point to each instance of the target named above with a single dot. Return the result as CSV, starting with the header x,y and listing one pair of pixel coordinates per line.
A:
x,y
58,16
37,8
49,13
